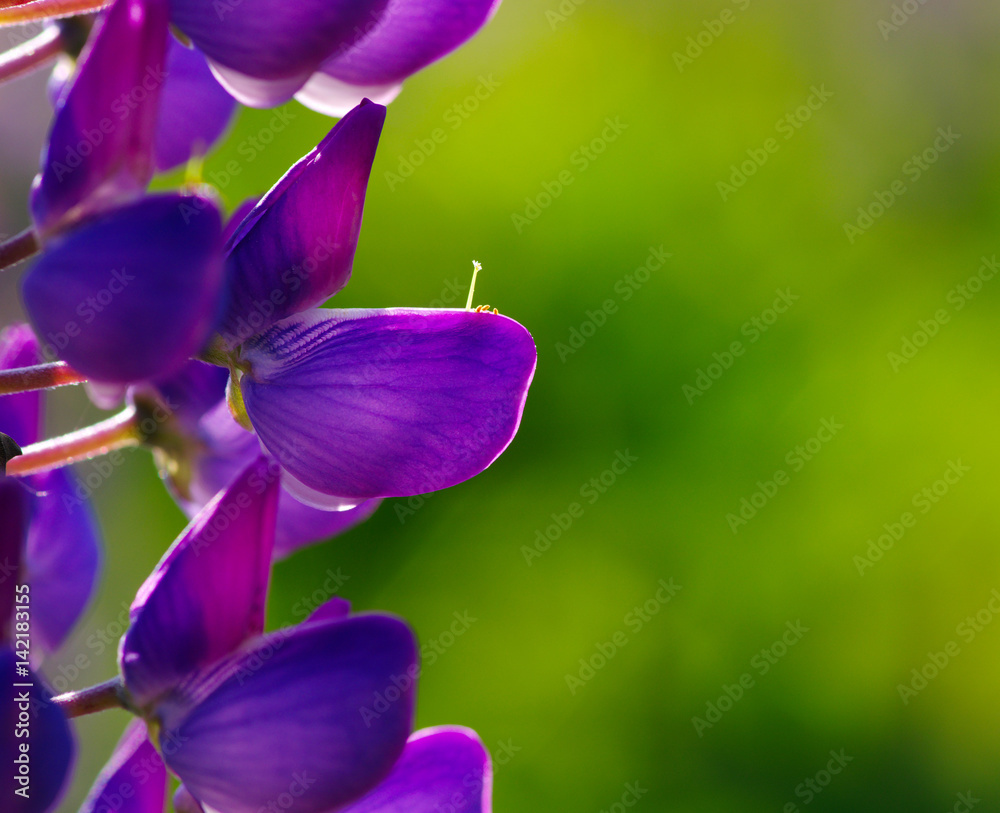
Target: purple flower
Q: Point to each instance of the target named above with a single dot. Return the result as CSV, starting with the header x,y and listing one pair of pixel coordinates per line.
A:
x,y
133,292
221,694
99,152
54,543
357,404
133,781
201,450
332,53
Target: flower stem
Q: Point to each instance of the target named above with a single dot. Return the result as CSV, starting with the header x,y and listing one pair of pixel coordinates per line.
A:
x,y
103,696
118,432
20,246
19,11
31,54
39,377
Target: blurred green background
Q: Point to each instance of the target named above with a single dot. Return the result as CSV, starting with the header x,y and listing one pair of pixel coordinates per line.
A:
x,y
700,438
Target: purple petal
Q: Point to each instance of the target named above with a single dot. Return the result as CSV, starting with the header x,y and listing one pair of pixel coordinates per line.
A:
x,y
99,153
301,525
62,557
238,216
298,718
409,36
133,781
443,768
191,392
20,414
195,110
132,294
296,248
333,609
272,40
50,747
207,595
380,403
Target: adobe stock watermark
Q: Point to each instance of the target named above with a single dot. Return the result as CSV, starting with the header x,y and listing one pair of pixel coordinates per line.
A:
x,y
901,14
635,620
958,297
591,491
761,663
559,14
252,147
710,31
398,686
796,458
752,329
625,289
629,799
581,160
787,126
812,786
454,117
938,660
923,501
913,169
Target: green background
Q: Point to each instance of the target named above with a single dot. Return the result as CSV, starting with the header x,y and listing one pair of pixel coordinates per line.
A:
x,y
697,456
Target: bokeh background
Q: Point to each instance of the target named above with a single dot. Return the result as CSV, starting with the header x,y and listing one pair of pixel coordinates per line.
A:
x,y
641,384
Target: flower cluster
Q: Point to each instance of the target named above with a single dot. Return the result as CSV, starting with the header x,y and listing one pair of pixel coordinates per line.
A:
x,y
275,422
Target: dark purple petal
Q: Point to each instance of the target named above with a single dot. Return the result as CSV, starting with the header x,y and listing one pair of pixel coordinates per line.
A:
x,y
297,717
409,36
134,779
191,392
443,768
296,248
20,414
99,153
381,403
130,295
50,744
195,110
333,609
273,40
62,557
238,216
207,595
301,525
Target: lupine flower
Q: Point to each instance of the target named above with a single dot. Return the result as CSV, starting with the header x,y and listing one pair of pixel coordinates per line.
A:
x,y
331,53
357,404
442,768
201,449
244,713
59,555
127,288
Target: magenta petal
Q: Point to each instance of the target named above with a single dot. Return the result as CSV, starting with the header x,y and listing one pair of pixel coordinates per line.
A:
x,y
273,39
20,414
411,35
99,152
62,557
380,403
50,742
195,110
296,248
134,779
207,595
132,294
443,768
297,717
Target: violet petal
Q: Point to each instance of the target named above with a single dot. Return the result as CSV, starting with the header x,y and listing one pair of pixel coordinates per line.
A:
x,y
380,403
132,294
207,595
293,717
133,781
